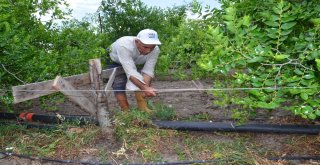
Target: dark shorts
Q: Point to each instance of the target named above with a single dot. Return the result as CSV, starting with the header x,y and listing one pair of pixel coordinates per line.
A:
x,y
120,81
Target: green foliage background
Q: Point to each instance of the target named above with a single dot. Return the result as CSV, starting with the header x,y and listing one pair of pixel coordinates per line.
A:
x,y
270,46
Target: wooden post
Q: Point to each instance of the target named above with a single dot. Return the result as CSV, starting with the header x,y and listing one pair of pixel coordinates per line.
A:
x,y
103,115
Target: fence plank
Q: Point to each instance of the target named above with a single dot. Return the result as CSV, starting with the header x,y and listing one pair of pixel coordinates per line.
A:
x,y
31,91
34,90
76,96
107,73
110,82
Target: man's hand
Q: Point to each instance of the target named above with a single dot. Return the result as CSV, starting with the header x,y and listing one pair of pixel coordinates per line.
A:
x,y
148,90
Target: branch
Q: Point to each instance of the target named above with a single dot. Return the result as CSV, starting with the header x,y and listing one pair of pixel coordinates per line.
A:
x,y
290,62
12,74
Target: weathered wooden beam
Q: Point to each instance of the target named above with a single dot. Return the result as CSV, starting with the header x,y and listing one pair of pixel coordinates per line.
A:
x,y
31,91
105,74
78,97
34,90
110,82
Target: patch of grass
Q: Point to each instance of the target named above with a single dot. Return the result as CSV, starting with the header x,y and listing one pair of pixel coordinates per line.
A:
x,y
222,150
163,112
45,142
149,144
50,102
200,117
132,119
103,157
141,137
241,115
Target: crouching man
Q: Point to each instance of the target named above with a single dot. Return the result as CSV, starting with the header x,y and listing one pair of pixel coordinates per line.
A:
x,y
130,52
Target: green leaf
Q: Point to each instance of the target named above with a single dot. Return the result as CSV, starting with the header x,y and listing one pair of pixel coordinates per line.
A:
x,y
315,54
273,17
288,25
283,38
288,18
312,116
246,21
228,17
259,50
317,112
277,10
257,84
309,76
272,33
286,32
294,91
298,71
272,23
231,26
280,57
269,83
255,93
255,59
316,21
307,109
230,11
214,32
271,105
239,81
318,64
304,96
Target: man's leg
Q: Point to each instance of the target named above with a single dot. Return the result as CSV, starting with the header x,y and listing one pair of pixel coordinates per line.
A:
x,y
122,101
142,104
119,87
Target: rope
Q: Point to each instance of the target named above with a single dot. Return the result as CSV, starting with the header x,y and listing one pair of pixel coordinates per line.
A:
x,y
172,90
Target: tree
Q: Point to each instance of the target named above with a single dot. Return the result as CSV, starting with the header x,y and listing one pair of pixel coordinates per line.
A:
x,y
271,46
32,50
125,18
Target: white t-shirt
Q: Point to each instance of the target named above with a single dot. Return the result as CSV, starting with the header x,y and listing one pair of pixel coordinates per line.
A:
x,y
125,52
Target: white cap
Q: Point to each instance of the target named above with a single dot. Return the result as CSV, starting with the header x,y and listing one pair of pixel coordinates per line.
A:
x,y
149,37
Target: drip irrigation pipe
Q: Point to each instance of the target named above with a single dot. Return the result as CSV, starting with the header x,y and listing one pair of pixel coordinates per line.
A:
x,y
28,125
81,120
295,158
177,163
179,125
229,127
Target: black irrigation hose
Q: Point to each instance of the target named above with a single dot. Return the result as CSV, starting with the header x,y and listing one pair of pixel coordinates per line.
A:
x,y
177,163
28,125
9,116
229,127
53,119
82,120
186,125
295,158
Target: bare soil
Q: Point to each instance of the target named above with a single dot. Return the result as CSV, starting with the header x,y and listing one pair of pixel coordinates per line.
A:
x,y
188,104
